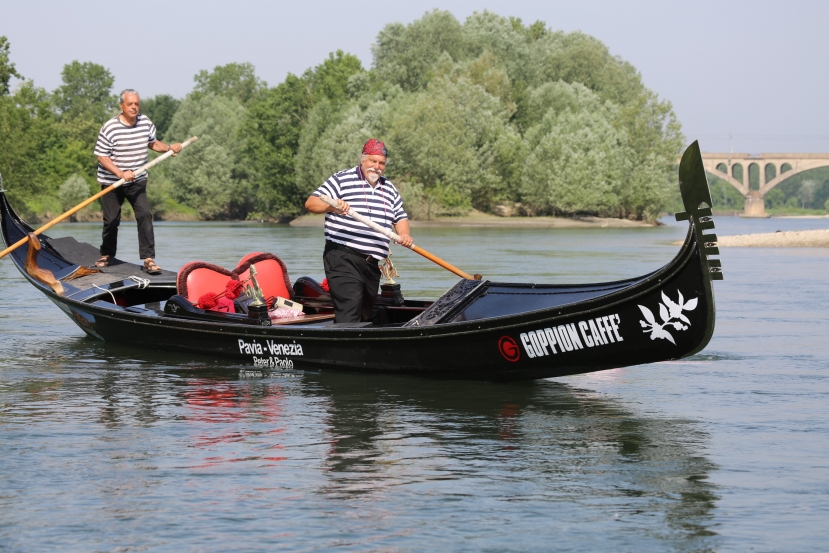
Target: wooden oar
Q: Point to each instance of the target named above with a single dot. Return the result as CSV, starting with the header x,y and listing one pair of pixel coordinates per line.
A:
x,y
392,236
85,203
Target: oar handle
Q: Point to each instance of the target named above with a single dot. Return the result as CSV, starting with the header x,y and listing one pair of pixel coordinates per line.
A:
x,y
88,201
391,235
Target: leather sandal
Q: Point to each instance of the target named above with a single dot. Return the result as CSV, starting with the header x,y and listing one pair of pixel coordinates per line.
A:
x,y
150,267
103,261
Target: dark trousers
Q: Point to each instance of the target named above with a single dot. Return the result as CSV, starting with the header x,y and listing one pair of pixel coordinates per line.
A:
x,y
136,195
353,281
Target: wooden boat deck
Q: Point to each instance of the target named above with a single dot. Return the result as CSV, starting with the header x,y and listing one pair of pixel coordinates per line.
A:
x,y
85,255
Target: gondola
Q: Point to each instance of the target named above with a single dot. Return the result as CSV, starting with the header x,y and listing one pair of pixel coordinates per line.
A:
x,y
500,331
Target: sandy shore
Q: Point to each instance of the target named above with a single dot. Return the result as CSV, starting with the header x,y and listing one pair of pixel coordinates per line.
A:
x,y
789,239
477,219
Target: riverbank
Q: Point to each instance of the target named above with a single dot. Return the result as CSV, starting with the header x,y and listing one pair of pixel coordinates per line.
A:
x,y
478,219
791,239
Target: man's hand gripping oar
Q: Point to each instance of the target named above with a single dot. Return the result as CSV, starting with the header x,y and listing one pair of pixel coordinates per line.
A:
x,y
393,236
88,201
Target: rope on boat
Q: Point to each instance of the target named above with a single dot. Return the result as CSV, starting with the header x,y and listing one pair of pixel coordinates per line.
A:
x,y
142,282
107,291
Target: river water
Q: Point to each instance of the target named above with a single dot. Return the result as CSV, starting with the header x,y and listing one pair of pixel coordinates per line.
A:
x,y
110,448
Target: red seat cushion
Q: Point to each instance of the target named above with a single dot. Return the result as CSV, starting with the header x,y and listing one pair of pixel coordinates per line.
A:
x,y
198,278
271,274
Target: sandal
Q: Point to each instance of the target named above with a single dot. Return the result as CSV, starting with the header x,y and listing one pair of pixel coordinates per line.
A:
x,y
150,267
103,261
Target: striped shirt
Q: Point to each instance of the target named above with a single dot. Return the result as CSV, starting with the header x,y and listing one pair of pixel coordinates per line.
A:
x,y
382,204
125,146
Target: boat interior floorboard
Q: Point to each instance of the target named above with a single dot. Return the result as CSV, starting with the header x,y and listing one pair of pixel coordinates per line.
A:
x,y
85,254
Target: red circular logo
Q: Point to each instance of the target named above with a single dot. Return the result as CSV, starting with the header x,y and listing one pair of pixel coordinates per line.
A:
x,y
509,349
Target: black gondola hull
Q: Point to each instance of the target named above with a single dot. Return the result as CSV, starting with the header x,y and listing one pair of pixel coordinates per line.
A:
x,y
668,314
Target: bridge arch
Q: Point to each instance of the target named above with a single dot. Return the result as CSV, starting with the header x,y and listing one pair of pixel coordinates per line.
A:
x,y
753,177
725,167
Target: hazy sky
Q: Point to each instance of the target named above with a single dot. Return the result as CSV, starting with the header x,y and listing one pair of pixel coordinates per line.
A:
x,y
757,69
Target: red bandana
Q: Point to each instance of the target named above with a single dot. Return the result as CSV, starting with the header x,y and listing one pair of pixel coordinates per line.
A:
x,y
375,148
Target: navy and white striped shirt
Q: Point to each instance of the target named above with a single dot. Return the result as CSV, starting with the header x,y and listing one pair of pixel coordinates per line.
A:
x,y
126,146
382,204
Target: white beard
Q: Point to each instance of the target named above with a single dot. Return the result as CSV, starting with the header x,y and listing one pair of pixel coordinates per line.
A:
x,y
372,177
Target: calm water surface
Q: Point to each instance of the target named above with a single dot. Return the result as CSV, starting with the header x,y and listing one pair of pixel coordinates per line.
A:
x,y
110,448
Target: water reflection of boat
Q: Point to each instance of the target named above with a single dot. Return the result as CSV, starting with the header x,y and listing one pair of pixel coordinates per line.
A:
x,y
477,330
553,441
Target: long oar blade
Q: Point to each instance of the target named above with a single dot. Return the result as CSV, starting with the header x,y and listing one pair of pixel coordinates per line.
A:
x,y
88,201
393,236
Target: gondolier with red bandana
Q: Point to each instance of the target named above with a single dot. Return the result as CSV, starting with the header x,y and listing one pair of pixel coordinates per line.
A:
x,y
352,249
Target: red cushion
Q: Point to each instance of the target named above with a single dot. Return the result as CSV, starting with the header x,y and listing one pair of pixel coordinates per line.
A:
x,y
271,274
198,278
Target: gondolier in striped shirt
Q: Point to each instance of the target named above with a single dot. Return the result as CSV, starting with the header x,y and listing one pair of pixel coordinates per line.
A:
x,y
121,149
353,250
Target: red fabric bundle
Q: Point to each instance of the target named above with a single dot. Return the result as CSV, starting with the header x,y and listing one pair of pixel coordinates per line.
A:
x,y
208,301
233,288
224,301
324,285
215,302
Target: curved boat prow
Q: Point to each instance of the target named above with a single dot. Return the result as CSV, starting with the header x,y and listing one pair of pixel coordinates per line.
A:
x,y
696,197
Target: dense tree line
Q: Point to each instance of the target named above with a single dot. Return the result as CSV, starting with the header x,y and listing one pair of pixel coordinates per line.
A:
x,y
489,113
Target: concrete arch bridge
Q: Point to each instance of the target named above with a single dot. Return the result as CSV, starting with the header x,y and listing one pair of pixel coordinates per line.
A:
x,y
755,174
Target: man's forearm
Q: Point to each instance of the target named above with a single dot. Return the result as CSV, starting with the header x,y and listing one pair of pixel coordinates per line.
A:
x,y
159,146
315,205
402,227
110,166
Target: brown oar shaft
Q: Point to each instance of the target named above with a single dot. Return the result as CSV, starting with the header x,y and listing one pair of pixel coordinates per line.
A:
x,y
393,236
88,201
442,263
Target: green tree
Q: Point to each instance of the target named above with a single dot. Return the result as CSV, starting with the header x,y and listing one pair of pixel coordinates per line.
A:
x,y
311,169
7,69
36,153
807,192
73,191
577,163
86,92
774,199
272,131
277,127
505,38
404,54
234,80
160,109
330,78
534,74
652,128
207,177
580,58
451,139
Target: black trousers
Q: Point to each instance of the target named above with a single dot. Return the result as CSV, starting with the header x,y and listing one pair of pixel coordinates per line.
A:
x,y
353,279
136,195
